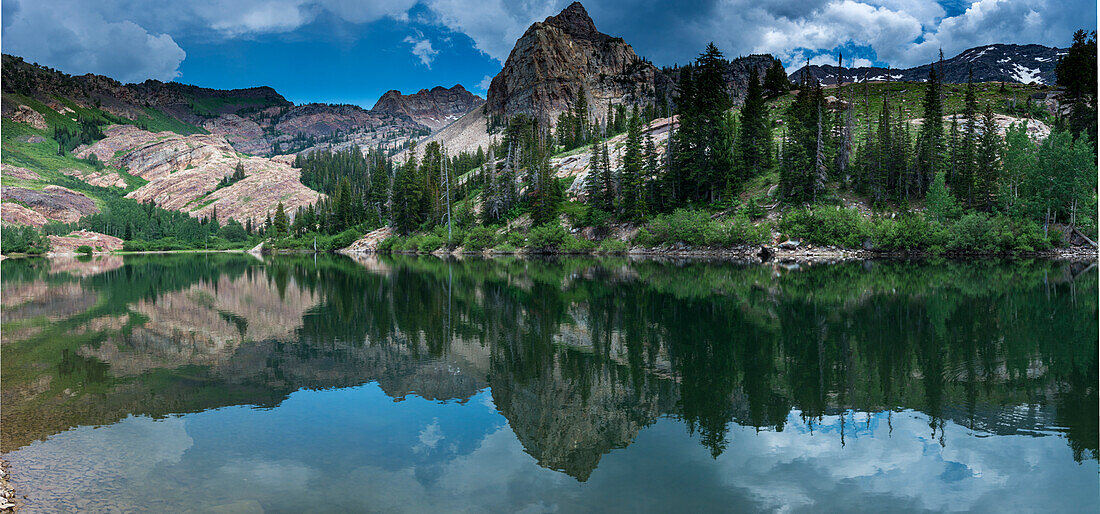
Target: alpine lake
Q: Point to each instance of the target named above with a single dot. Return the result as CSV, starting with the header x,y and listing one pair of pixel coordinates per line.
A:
x,y
303,383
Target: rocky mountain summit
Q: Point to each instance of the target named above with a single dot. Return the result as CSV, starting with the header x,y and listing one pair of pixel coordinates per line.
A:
x,y
558,58
1025,64
434,108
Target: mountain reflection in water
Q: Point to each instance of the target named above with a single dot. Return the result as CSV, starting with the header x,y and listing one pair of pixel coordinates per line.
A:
x,y
578,357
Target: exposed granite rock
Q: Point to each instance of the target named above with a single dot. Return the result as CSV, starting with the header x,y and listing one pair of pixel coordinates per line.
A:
x,y
14,214
105,178
10,171
53,202
434,108
369,242
563,55
68,244
245,135
24,114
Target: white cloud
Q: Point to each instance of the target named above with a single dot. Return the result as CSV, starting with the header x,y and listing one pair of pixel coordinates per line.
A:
x,y
130,39
485,82
73,37
493,25
422,48
901,32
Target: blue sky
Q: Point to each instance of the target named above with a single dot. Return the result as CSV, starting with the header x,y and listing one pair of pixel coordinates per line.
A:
x,y
352,51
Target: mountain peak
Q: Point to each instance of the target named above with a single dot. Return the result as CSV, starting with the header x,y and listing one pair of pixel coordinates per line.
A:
x,y
575,21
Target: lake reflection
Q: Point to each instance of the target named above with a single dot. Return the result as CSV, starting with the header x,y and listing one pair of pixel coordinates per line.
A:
x,y
223,382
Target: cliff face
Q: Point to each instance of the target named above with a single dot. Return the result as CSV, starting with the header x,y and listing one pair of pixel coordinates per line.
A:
x,y
558,58
991,63
434,108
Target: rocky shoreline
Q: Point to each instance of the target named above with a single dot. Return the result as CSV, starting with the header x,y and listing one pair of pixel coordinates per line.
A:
x,y
802,252
8,502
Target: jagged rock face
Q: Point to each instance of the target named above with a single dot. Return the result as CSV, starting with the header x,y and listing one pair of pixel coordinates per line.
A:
x,y
434,108
24,114
991,63
558,58
31,207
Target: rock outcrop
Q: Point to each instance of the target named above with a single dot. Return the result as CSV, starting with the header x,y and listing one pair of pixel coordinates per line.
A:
x,y
369,242
184,172
54,203
24,114
18,172
434,108
100,243
563,55
1025,64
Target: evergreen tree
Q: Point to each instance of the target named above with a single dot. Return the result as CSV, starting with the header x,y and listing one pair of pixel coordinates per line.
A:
x,y
633,197
804,151
754,137
775,79
1076,72
280,221
989,162
703,142
930,141
964,177
407,197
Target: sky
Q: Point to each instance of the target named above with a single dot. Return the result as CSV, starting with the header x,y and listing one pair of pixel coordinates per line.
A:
x,y
353,51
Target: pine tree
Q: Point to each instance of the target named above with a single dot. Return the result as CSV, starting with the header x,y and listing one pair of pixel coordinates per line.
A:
x,y
930,141
407,197
775,79
754,137
593,185
703,142
804,148
280,220
964,183
989,162
633,199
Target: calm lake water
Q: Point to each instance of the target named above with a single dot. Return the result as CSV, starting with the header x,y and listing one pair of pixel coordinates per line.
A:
x,y
230,384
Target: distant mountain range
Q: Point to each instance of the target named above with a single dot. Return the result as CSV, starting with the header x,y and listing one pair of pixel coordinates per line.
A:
x,y
1025,64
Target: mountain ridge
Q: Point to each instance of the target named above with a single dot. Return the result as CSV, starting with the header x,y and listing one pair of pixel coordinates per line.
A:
x,y
995,62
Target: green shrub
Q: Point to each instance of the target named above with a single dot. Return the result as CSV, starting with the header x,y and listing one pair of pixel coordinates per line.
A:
x,y
573,244
135,245
826,226
682,226
388,243
478,238
430,243
612,245
548,236
737,231
505,248
85,249
342,240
